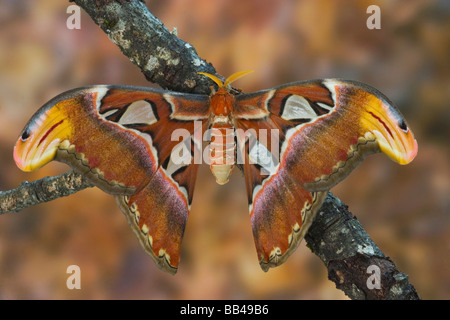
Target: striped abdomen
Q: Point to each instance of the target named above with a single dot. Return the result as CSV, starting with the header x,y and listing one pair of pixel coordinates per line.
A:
x,y
222,149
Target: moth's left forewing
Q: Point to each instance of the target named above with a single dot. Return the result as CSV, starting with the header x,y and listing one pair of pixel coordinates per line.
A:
x,y
330,125
363,121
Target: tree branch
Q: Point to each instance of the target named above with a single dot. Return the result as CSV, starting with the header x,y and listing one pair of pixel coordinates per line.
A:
x,y
162,57
335,236
352,258
42,190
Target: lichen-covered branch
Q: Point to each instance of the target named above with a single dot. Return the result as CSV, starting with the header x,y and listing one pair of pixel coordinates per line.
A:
x,y
354,262
335,236
162,57
43,190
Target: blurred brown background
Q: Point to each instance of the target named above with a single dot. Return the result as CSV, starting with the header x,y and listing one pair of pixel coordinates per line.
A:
x,y
405,209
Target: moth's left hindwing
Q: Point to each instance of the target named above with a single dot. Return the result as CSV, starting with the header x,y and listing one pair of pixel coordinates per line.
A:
x,y
119,138
325,128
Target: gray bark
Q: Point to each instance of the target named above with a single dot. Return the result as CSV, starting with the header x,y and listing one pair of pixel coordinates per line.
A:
x,y
354,262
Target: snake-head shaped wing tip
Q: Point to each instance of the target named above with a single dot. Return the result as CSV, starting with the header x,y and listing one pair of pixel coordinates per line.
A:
x,y
398,144
393,135
402,151
40,139
379,119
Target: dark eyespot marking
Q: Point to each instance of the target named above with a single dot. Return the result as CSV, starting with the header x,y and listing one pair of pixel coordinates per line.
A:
x,y
402,125
25,134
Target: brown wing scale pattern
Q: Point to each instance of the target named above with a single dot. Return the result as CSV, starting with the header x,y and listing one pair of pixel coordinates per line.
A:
x,y
326,128
118,138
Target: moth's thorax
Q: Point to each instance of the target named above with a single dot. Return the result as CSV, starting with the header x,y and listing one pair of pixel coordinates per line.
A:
x,y
222,145
222,102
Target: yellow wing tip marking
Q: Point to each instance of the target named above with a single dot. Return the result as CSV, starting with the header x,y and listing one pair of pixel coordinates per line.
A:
x,y
28,163
40,139
394,137
402,151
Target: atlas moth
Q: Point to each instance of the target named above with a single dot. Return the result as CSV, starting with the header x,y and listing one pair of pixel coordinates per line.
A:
x,y
120,139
